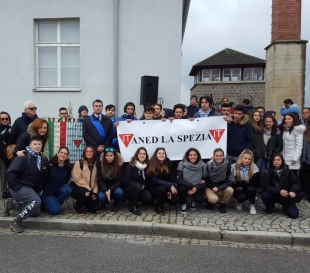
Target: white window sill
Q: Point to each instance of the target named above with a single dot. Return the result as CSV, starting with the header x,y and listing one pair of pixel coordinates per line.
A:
x,y
55,89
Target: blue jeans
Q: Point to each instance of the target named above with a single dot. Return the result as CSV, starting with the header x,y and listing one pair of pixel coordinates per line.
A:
x,y
53,202
117,195
269,199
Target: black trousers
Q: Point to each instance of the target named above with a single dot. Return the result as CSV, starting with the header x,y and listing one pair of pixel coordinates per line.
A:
x,y
134,194
247,192
304,176
160,194
78,193
198,196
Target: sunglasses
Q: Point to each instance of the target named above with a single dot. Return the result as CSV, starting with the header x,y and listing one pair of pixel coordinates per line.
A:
x,y
3,119
109,150
32,108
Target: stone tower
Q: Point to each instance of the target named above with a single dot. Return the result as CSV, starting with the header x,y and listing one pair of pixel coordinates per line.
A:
x,y
285,56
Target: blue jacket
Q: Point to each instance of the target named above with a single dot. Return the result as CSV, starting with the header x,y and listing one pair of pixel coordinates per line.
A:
x,y
239,137
292,108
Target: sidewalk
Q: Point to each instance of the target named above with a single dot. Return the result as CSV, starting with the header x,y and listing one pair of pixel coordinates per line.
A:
x,y
236,226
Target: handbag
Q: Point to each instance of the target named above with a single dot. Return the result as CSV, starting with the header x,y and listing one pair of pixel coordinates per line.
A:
x,y
9,151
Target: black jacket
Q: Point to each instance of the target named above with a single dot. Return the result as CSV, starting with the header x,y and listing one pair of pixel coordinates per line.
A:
x,y
192,110
110,184
20,126
274,145
132,174
23,171
287,180
91,135
164,179
5,140
259,145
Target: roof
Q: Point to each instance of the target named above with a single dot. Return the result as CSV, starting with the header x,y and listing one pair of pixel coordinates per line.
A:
x,y
227,57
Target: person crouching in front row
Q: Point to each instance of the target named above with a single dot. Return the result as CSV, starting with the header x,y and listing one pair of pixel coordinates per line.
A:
x,y
219,181
26,176
84,183
280,185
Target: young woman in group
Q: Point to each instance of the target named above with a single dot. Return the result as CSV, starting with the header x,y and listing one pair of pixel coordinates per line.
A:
x,y
247,178
280,185
110,179
56,189
258,138
305,163
191,179
5,140
272,140
84,183
293,133
161,175
219,181
135,184
39,127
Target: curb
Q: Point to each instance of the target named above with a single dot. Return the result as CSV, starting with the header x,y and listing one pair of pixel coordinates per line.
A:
x,y
149,229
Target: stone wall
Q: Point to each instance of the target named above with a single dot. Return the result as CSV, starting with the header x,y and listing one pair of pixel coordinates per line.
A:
x,y
235,92
285,73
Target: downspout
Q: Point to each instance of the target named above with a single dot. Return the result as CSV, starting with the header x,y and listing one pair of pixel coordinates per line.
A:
x,y
116,23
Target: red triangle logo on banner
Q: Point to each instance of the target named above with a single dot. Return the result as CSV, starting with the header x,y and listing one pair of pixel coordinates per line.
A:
x,y
77,142
126,138
217,134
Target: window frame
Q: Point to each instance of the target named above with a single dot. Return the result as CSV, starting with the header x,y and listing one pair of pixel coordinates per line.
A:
x,y
252,74
58,45
231,74
211,75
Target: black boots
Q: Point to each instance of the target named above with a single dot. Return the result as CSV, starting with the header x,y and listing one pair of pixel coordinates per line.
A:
x,y
223,208
135,210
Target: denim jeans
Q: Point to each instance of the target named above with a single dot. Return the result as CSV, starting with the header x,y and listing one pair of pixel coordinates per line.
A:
x,y
117,195
269,199
262,164
53,202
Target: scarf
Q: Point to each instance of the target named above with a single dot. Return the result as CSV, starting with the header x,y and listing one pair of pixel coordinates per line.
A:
x,y
287,127
28,119
125,116
244,173
203,114
217,173
267,133
32,153
141,167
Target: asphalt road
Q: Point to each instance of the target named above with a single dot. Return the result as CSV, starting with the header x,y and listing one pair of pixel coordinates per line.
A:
x,y
72,254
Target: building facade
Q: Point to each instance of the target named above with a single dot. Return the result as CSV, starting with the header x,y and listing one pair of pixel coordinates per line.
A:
x,y
230,74
56,52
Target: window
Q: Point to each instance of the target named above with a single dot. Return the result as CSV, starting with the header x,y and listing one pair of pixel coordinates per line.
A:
x,y
232,74
253,74
197,77
58,54
210,75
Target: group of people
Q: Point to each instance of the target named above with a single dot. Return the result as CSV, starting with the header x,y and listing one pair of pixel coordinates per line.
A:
x,y
262,153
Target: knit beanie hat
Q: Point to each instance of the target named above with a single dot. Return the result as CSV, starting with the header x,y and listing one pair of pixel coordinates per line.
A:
x,y
194,96
129,103
82,107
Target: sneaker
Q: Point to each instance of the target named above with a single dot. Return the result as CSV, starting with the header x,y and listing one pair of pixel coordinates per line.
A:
x,y
17,226
135,210
160,211
223,208
77,210
183,209
239,206
252,209
193,205
103,206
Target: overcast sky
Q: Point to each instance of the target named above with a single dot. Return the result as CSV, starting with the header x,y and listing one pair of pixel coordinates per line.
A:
x,y
241,25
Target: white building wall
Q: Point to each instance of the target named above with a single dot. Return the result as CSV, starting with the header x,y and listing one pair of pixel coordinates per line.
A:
x,y
149,44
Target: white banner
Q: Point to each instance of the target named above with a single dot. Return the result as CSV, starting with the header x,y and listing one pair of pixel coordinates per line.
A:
x,y
177,136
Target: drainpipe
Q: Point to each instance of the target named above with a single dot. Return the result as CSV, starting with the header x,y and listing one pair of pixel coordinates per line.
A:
x,y
116,22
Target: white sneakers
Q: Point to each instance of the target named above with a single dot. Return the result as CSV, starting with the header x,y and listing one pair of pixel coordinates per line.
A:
x,y
193,205
183,209
252,209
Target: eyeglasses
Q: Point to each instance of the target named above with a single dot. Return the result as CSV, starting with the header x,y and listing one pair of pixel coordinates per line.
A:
x,y
3,119
64,113
32,108
110,150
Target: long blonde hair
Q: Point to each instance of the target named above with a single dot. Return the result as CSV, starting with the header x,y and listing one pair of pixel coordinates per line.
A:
x,y
239,163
